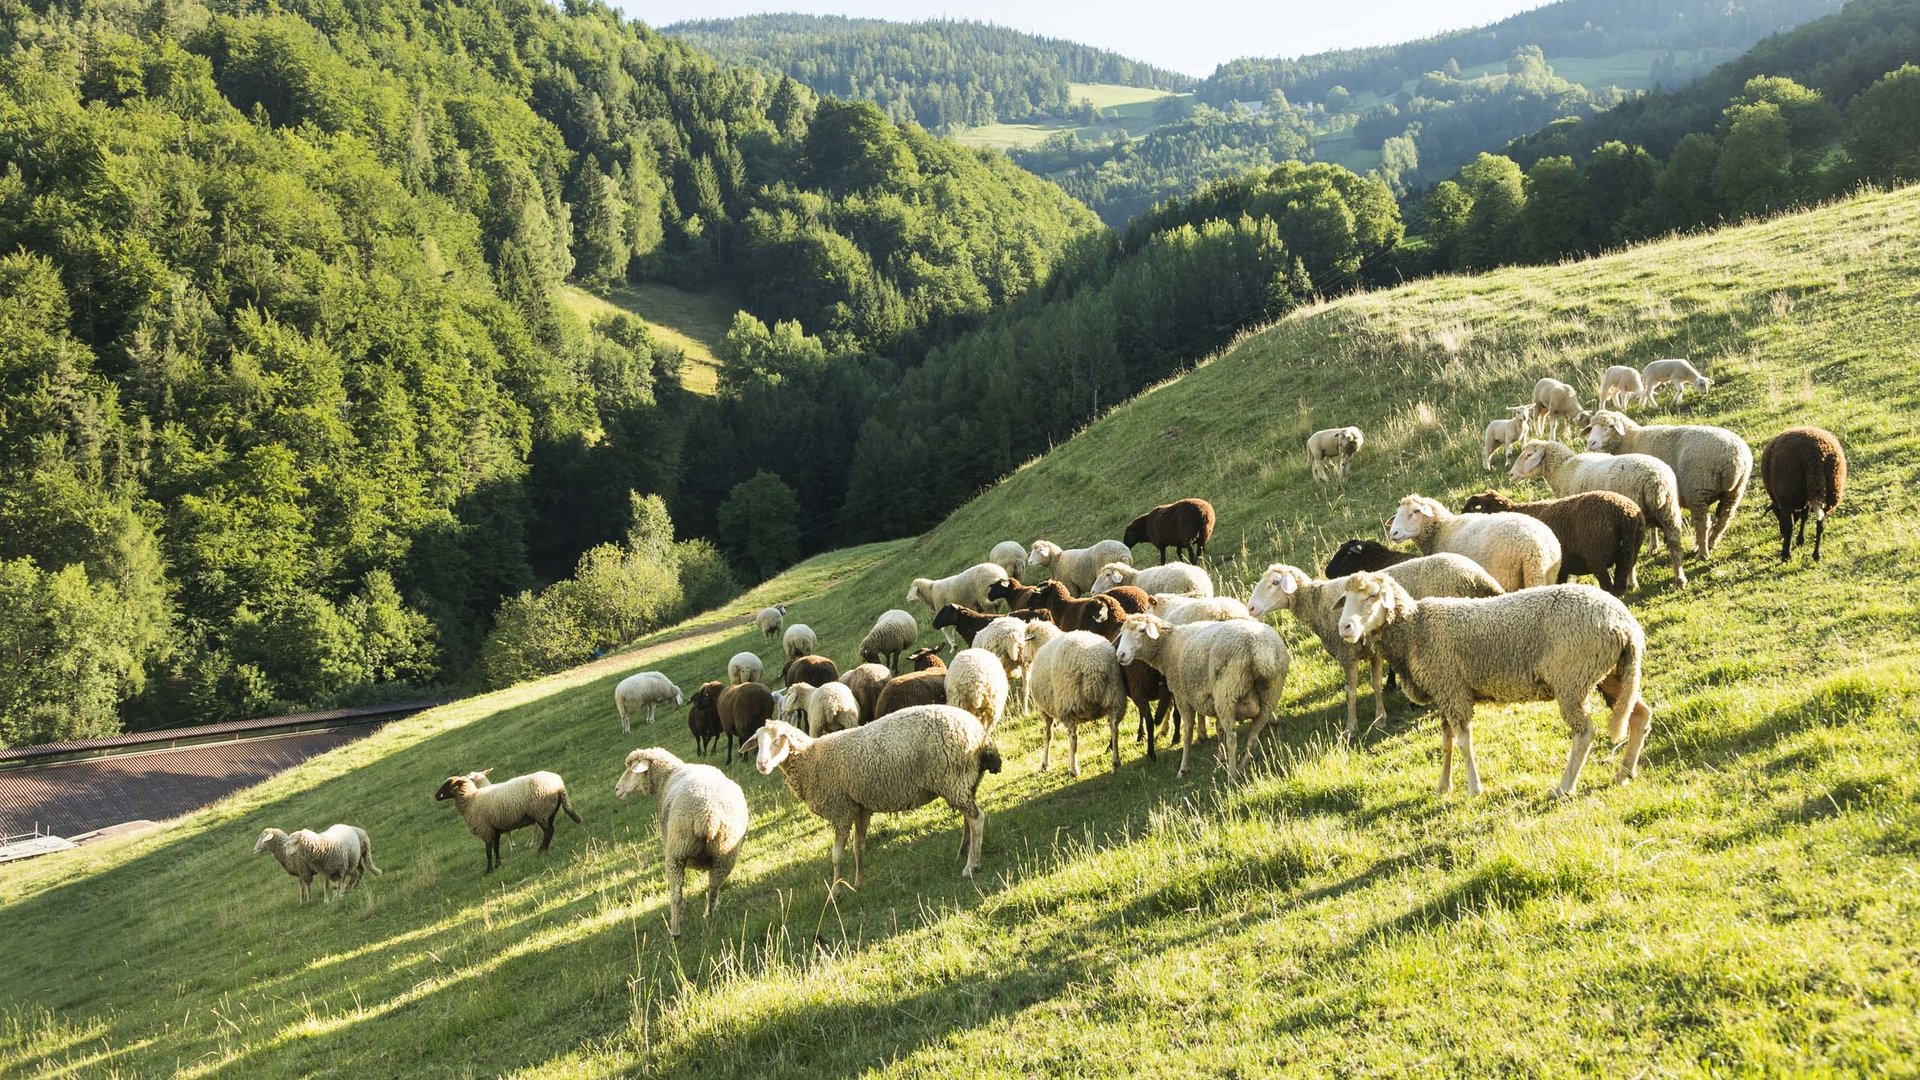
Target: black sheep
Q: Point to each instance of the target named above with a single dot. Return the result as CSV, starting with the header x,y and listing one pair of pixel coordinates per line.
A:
x,y
1805,473
1185,526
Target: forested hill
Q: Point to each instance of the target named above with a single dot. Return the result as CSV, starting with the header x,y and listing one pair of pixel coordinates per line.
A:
x,y
287,404
939,73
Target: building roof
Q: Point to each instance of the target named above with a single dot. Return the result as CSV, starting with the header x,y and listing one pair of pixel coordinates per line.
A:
x,y
208,732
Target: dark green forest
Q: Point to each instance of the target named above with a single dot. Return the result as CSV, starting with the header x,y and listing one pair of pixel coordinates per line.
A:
x,y
940,73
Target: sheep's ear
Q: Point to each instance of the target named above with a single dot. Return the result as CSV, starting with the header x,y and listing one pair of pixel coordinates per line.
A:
x,y
639,768
1287,584
1153,630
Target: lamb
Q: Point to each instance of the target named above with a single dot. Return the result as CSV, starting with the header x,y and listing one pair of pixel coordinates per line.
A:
x,y
977,682
1681,375
494,810
809,669
1230,670
1555,643
968,588
1075,676
1710,464
769,620
927,687
893,633
1520,552
648,688
1076,567
1359,554
702,820
1333,444
1804,471
963,621
1181,610
1599,532
338,857
1647,481
798,641
866,682
742,708
827,707
1622,385
1185,526
744,667
1006,638
1556,408
1317,605
703,716
898,763
1177,577
1506,434
1011,556
1095,613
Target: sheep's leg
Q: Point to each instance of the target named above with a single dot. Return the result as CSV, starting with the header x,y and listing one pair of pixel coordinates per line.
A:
x,y
626,725
1784,519
839,846
1639,720
1113,733
650,707
1379,695
1229,742
676,879
1353,699
546,828
1073,747
976,833
860,847
1819,532
1463,734
1574,710
1446,755
1046,744
1702,524
716,877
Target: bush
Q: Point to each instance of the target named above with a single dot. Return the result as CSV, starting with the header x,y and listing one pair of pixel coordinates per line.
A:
x,y
706,581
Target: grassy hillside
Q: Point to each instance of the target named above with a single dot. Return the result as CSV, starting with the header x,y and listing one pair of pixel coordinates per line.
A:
x,y
1747,906
1135,110
694,323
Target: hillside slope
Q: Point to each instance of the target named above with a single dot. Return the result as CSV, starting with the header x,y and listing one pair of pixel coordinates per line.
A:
x,y
1746,906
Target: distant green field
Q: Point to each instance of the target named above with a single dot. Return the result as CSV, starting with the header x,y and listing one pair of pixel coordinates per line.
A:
x,y
694,323
1631,69
1136,109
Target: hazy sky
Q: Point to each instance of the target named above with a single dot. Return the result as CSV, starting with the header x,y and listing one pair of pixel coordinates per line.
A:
x,y
1185,35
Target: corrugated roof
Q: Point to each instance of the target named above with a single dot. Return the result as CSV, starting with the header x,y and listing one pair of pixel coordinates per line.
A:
x,y
172,736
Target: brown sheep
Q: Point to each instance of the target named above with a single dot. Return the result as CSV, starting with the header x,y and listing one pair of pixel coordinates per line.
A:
x,y
1015,595
1599,532
703,716
1356,555
1132,599
1100,614
1184,526
928,687
812,669
964,620
866,682
1804,471
928,660
743,708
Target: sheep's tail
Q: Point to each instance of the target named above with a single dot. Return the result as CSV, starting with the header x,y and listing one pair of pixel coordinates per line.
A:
x,y
1626,672
567,805
366,855
1815,485
989,756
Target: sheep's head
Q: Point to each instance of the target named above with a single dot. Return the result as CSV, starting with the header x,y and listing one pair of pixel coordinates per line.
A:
x,y
270,839
928,659
1605,431
774,741
459,787
643,772
1487,502
1523,413
1372,600
1416,515
1112,575
1043,553
793,702
1351,439
1702,384
1138,635
1276,589
1136,530
1049,592
948,615
1532,460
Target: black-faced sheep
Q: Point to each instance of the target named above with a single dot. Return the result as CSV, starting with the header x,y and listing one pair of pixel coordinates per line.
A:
x,y
1804,470
1600,532
494,810
1011,593
703,716
1185,526
963,621
1099,614
1357,554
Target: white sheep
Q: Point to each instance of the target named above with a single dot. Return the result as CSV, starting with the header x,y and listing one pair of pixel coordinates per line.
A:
x,y
1179,578
898,762
769,620
1519,551
702,820
1556,643
1006,638
1506,434
977,682
1181,610
744,667
1622,385
1317,605
1075,676
1231,670
1648,481
338,856
1075,567
818,710
1011,556
648,688
968,588
799,641
1336,445
893,633
1557,408
1711,466
494,810
1679,374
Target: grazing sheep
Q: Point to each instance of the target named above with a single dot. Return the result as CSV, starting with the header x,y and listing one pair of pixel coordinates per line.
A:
x,y
925,687
1804,470
1710,464
1360,554
1231,670
1681,375
1177,577
1599,532
1337,445
968,588
1556,408
338,857
494,810
1100,614
927,659
1647,481
702,820
798,641
809,669
742,708
898,763
1181,610
1011,556
1622,386
1185,526
744,667
866,682
893,633
1075,676
1506,434
1520,552
703,716
648,688
769,620
1011,593
962,621
1075,567
1006,638
820,709
977,682
1555,643
1317,605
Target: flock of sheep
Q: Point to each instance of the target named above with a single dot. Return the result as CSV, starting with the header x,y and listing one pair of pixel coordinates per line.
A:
x,y
1481,611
